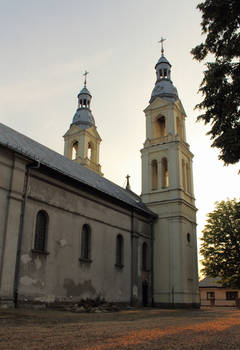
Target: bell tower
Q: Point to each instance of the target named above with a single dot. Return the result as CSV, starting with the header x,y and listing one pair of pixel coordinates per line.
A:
x,y
167,189
82,141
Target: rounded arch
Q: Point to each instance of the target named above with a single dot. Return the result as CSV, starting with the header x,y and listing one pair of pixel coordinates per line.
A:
x,y
160,126
183,175
41,229
86,242
165,177
144,256
179,128
119,250
154,169
74,149
90,151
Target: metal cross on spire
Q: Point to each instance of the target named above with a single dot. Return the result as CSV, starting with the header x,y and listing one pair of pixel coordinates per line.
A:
x,y
161,41
85,81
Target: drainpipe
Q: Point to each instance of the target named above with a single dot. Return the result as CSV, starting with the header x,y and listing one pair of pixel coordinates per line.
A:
x,y
20,232
132,260
152,259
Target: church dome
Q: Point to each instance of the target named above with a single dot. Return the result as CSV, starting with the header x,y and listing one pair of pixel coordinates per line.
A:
x,y
164,87
83,116
162,59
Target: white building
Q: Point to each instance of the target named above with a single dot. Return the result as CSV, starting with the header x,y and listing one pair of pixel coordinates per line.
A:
x,y
67,233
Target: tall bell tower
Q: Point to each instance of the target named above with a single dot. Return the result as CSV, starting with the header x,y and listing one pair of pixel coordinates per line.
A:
x,y
82,141
167,189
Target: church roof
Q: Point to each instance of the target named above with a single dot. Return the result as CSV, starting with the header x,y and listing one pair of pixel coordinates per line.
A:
x,y
163,59
27,147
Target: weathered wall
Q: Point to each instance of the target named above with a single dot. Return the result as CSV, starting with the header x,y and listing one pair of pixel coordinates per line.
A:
x,y
59,275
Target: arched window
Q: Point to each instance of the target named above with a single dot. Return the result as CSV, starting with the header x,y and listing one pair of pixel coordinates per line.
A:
x,y
160,127
165,180
86,242
188,178
144,256
41,231
179,128
119,251
154,174
74,150
183,175
90,151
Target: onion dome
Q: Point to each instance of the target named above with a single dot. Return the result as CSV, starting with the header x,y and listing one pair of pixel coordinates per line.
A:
x,y
83,116
164,87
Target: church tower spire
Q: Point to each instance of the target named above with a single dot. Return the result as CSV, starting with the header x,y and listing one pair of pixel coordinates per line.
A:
x,y
167,189
82,141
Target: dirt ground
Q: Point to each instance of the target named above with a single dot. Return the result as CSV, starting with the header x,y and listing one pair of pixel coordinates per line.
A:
x,y
154,329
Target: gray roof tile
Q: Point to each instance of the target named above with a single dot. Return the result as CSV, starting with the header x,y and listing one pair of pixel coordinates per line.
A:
x,y
34,150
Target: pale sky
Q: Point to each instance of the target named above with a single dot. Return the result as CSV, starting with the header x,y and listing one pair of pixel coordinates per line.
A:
x,y
47,45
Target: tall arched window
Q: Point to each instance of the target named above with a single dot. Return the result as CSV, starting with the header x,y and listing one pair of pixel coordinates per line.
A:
x,y
165,180
119,251
188,178
144,256
154,174
40,239
160,127
179,128
86,242
74,150
90,151
183,175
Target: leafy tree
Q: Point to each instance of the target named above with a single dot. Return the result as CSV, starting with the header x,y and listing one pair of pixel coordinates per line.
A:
x,y
221,243
221,83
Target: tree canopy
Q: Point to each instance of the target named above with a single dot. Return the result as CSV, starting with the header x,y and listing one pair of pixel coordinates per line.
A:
x,y
221,243
221,83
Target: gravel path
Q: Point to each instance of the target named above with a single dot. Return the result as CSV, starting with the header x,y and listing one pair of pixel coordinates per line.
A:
x,y
155,329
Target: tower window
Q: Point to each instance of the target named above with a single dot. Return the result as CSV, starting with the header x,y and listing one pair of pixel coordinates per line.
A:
x,y
90,151
160,74
160,127
165,180
188,237
154,174
188,178
84,103
144,256
74,150
41,231
165,73
85,242
179,128
183,175
119,251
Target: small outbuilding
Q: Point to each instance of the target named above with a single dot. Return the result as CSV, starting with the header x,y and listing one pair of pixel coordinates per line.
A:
x,y
213,293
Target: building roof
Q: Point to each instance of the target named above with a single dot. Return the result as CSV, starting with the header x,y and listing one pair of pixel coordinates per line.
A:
x,y
163,59
210,282
33,150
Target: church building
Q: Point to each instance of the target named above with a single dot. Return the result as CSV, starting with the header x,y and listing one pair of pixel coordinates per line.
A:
x,y
67,233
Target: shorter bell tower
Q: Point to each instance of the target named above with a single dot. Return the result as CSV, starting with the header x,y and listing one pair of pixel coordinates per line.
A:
x,y
82,141
167,189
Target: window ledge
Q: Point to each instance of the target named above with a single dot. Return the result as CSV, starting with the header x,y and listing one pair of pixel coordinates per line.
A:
x,y
119,266
43,252
85,260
